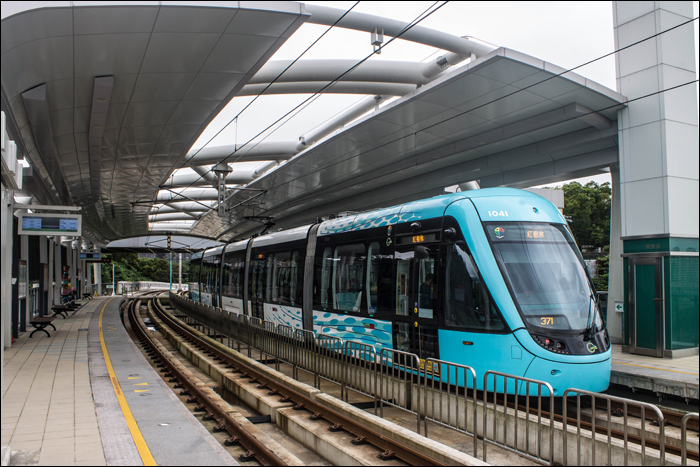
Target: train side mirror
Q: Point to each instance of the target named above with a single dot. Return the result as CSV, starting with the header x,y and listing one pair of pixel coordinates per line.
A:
x,y
421,252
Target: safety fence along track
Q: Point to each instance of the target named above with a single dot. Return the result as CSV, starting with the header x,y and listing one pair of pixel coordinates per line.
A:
x,y
239,435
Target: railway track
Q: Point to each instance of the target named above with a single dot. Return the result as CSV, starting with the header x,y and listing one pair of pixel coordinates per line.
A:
x,y
239,435
391,449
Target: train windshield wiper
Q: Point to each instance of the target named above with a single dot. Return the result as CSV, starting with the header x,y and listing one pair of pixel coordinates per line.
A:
x,y
590,322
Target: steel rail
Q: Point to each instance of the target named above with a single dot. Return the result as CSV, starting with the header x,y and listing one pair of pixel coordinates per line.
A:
x,y
671,417
239,435
391,447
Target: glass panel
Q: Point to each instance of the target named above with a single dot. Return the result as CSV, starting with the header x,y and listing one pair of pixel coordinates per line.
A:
x,y
466,301
645,292
295,274
380,280
427,295
683,271
349,263
545,272
326,269
281,277
403,337
403,282
268,277
232,279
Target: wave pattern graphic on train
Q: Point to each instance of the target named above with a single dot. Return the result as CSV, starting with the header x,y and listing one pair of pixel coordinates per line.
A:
x,y
488,278
365,330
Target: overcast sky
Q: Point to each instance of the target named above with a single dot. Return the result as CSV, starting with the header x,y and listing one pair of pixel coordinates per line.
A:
x,y
564,33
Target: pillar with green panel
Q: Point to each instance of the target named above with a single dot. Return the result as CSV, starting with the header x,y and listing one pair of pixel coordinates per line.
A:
x,y
658,179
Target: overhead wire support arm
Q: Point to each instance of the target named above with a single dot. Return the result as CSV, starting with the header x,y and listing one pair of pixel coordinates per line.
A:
x,y
180,194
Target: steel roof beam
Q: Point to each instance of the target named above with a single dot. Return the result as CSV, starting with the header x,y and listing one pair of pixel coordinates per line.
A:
x,y
173,216
237,177
313,87
464,46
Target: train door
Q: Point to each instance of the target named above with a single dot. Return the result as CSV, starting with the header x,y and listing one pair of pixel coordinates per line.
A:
x,y
415,316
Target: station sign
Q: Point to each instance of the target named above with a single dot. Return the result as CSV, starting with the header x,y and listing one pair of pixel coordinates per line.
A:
x,y
69,225
100,260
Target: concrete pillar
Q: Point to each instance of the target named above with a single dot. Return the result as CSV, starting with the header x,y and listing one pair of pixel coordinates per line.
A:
x,y
98,277
24,255
659,177
57,271
6,265
51,260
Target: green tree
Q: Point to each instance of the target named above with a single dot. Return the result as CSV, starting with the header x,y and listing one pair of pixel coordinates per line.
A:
x,y
601,281
588,208
129,267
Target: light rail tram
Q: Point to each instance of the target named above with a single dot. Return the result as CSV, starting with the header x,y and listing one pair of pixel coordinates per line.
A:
x,y
489,278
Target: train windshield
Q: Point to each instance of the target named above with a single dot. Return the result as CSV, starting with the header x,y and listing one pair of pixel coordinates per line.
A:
x,y
545,274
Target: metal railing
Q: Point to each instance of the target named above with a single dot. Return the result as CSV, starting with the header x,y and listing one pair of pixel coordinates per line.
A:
x,y
518,383
329,362
360,359
448,377
684,435
643,406
396,378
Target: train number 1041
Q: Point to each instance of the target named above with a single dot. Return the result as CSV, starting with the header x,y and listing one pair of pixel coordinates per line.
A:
x,y
498,213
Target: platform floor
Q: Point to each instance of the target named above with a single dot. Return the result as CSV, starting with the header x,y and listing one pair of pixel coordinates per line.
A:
x,y
677,376
61,408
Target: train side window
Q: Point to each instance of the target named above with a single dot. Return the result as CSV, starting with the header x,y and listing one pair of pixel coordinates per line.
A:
x,y
294,275
232,278
348,272
379,279
268,277
326,268
284,277
467,303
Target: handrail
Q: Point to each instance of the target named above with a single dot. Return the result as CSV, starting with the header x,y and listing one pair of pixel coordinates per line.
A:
x,y
518,381
625,403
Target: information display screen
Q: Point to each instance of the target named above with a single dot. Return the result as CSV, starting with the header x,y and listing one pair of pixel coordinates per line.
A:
x,y
90,255
50,224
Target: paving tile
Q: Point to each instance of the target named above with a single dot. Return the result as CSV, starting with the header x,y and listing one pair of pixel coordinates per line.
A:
x,y
84,432
57,442
25,445
64,448
92,462
32,430
59,434
90,439
56,459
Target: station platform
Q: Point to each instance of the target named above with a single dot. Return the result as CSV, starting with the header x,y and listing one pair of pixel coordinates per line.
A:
x,y
677,376
66,404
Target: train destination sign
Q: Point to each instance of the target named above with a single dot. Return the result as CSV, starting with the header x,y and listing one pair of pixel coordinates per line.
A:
x,y
49,224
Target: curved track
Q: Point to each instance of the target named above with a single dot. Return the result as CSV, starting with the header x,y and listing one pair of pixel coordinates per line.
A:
x,y
239,435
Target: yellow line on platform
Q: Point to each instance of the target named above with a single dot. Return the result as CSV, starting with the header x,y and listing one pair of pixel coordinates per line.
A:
x,y
141,445
655,368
